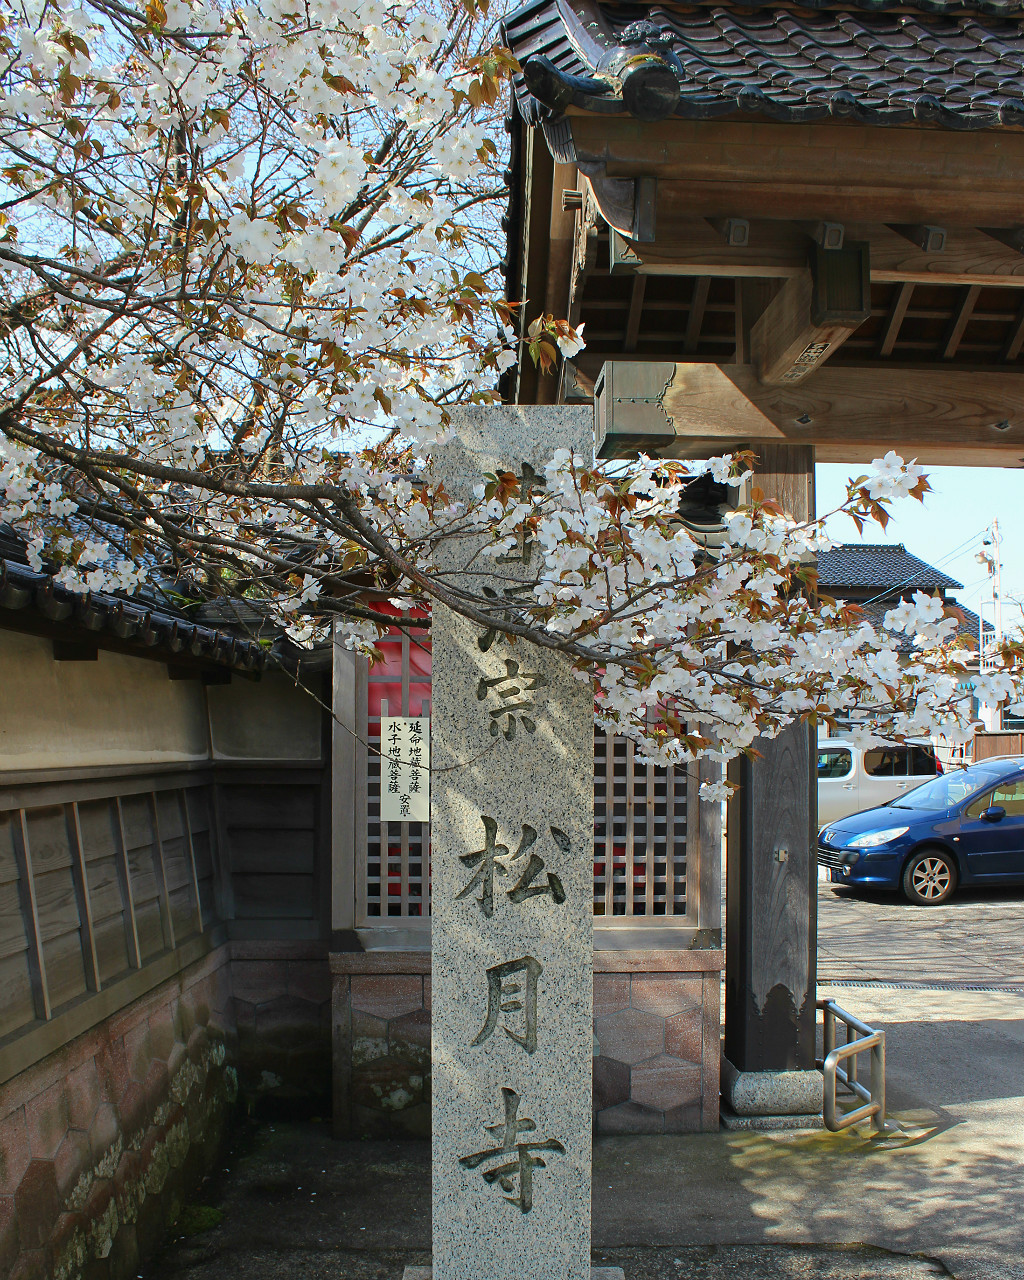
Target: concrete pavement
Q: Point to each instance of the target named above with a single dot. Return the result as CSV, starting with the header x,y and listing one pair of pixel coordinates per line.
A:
x,y
942,1196
950,1186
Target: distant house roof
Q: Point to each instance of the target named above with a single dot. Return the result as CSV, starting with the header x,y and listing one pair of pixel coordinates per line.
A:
x,y
952,63
881,566
874,612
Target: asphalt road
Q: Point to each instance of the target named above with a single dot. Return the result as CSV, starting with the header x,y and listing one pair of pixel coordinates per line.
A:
x,y
976,939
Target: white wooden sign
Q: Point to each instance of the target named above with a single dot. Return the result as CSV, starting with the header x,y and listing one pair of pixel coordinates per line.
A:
x,y
405,769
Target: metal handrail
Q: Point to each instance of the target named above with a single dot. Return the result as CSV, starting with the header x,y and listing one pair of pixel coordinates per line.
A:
x,y
868,1040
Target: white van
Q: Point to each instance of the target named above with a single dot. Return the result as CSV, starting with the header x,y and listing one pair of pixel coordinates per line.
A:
x,y
851,779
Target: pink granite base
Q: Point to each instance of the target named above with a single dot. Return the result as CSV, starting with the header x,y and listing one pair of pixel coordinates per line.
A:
x,y
656,1019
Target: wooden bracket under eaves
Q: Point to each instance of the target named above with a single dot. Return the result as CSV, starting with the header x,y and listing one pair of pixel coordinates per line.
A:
x,y
812,315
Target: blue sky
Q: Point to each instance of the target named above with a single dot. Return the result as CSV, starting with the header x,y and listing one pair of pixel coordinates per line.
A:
x,y
946,531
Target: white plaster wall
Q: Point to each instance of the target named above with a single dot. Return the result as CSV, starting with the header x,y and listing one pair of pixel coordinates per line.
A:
x,y
269,719
116,710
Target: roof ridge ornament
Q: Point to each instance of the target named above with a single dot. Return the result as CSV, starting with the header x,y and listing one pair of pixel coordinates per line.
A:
x,y
644,31
640,74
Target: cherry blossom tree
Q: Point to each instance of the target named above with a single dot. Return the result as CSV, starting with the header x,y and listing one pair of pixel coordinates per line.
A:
x,y
244,276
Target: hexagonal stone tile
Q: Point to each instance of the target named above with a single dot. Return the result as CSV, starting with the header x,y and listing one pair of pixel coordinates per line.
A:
x,y
388,1084
84,1094
388,995
409,1037
72,1159
369,1037
665,1083
611,993
46,1116
630,1035
630,1117
665,994
686,1119
684,1035
611,1083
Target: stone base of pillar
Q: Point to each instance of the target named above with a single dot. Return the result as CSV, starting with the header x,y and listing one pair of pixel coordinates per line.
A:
x,y
730,1120
770,1099
596,1273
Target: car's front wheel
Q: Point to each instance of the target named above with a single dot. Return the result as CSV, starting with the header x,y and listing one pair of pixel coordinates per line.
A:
x,y
929,878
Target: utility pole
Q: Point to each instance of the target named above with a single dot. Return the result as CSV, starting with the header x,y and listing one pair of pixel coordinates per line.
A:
x,y
990,555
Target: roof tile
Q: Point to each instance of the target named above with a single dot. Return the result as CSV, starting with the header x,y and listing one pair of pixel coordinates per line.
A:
x,y
949,66
886,566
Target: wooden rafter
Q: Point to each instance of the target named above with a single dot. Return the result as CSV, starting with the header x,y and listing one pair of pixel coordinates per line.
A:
x,y
897,312
695,319
1015,340
636,310
968,297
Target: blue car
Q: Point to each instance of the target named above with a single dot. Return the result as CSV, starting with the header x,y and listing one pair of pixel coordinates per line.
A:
x,y
961,828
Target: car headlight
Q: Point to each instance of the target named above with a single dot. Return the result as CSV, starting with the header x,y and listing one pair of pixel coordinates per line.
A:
x,y
874,838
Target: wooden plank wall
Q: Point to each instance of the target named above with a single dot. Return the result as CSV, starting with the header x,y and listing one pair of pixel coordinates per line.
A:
x,y
105,874
275,830
1006,742
94,886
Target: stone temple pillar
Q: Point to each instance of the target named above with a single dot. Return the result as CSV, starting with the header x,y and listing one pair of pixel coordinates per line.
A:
x,y
512,889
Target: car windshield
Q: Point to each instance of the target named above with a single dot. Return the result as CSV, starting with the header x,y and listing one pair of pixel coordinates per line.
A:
x,y
950,788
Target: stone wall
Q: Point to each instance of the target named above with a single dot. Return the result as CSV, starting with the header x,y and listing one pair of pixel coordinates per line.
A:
x,y
103,1141
657,1025
282,1014
100,1141
656,1022
381,1017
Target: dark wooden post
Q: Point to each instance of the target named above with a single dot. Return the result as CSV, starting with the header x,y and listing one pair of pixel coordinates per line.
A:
x,y
771,877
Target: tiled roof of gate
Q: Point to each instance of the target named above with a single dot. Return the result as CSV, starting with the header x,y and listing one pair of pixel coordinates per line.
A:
x,y
959,65
886,566
135,624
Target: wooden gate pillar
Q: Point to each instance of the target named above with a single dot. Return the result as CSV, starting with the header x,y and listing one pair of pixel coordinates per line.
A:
x,y
771,888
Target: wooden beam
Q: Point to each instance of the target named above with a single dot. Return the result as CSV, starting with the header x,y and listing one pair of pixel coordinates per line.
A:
x,y
186,827
849,413
124,877
968,297
80,877
793,338
769,897
538,196
823,170
1016,338
897,313
689,246
645,205
752,298
816,201
736,231
695,318
1012,237
160,868
694,248
636,310
75,650
34,955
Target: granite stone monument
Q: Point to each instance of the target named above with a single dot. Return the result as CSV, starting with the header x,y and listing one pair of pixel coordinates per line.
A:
x,y
512,886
